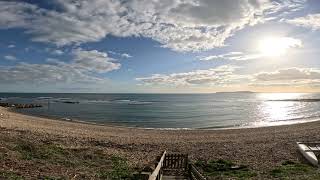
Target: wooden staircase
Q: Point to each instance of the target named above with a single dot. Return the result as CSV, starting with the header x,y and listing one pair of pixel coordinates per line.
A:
x,y
174,178
175,167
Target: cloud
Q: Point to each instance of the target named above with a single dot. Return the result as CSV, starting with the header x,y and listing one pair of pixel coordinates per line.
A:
x,y
289,74
227,76
57,52
94,61
10,58
291,77
237,56
85,67
11,46
179,25
270,46
310,21
44,73
219,76
125,55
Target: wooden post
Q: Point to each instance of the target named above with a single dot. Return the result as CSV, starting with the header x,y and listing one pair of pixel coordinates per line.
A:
x,y
157,173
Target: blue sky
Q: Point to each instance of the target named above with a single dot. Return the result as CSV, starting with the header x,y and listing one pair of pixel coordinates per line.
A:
x,y
172,46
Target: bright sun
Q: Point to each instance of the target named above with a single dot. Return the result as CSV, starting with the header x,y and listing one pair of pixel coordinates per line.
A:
x,y
277,46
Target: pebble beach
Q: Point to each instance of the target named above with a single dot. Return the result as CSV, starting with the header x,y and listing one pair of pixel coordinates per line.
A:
x,y
258,147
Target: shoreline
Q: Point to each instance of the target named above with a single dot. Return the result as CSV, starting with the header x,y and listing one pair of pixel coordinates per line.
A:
x,y
250,146
115,125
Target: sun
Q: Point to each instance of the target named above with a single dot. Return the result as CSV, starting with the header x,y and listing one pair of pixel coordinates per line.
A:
x,y
277,46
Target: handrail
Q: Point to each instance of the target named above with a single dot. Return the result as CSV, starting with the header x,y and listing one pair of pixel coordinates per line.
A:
x,y
157,172
194,174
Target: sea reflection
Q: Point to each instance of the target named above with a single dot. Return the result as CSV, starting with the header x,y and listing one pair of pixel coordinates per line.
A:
x,y
279,96
271,112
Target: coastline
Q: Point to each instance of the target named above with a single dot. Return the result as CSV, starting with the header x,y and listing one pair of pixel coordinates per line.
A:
x,y
115,125
260,148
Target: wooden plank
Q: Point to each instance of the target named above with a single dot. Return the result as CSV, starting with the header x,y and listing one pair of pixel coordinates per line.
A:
x,y
195,173
157,172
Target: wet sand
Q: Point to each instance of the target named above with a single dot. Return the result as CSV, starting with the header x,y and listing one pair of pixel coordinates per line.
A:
x,y
260,148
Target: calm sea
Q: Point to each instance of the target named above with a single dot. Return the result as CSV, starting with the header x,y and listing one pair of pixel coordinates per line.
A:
x,y
218,110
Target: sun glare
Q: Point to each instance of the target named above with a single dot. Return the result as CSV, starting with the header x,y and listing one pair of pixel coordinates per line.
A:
x,y
277,46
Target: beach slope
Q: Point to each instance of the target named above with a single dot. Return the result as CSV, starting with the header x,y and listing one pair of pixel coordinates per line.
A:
x,y
260,148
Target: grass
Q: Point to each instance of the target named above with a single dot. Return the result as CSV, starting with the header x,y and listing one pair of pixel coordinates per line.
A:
x,y
25,156
224,169
31,151
42,159
10,175
295,170
120,170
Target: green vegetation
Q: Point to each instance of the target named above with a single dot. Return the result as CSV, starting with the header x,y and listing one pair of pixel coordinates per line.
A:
x,y
10,175
222,169
50,160
120,170
25,157
29,151
293,170
225,169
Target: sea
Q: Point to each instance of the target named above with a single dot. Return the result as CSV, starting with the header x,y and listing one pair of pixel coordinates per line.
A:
x,y
174,111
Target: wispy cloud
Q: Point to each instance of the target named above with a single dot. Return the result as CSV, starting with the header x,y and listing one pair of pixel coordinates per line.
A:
x,y
223,76
123,55
83,68
94,61
10,58
179,25
219,76
126,55
310,21
270,46
57,52
237,56
289,74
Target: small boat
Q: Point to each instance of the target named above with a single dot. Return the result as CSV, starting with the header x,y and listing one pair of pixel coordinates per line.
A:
x,y
311,151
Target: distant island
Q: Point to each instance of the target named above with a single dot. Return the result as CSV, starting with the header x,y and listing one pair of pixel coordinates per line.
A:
x,y
235,92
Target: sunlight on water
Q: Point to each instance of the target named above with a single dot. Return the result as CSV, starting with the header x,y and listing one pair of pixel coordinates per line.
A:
x,y
279,96
205,111
273,112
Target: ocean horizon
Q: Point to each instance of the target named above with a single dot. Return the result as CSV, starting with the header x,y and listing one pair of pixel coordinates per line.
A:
x,y
174,111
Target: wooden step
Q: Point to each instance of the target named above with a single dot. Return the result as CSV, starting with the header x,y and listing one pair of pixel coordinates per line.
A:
x,y
174,178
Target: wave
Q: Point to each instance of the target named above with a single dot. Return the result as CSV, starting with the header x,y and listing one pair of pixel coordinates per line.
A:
x,y
44,98
169,129
95,101
132,102
139,103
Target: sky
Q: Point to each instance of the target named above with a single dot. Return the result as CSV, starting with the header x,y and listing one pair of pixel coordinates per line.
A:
x,y
159,46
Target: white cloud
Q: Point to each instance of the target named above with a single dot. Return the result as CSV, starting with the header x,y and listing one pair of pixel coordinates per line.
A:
x,y
268,47
219,76
94,61
227,76
123,55
11,46
126,55
182,25
10,58
289,74
237,56
44,73
310,21
291,77
83,68
57,52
